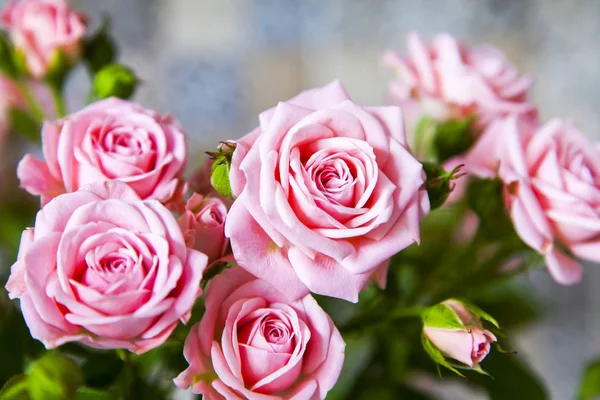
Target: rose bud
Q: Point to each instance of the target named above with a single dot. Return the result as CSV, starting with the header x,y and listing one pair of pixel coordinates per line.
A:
x,y
453,329
254,343
44,31
109,139
115,80
103,267
203,224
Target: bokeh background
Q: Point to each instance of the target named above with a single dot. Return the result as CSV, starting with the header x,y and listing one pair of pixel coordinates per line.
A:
x,y
216,64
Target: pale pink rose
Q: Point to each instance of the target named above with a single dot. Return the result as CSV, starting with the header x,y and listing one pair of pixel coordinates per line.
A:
x,y
40,29
253,343
203,225
552,179
446,80
105,268
109,139
469,345
327,191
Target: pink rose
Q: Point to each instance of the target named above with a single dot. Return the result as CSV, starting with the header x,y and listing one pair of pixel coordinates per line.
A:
x,y
327,192
109,139
41,28
253,343
107,269
469,345
552,179
446,80
203,224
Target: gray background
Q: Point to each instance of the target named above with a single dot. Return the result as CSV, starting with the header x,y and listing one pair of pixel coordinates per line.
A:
x,y
216,64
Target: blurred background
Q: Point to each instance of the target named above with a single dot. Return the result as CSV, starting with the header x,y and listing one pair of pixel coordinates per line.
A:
x,y
216,64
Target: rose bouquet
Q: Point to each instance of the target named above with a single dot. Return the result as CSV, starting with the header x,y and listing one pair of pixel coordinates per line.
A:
x,y
336,250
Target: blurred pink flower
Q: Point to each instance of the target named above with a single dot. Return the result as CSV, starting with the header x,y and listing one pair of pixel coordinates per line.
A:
x,y
445,80
40,29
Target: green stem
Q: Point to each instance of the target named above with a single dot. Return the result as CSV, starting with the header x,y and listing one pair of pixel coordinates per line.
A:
x,y
31,101
59,101
361,322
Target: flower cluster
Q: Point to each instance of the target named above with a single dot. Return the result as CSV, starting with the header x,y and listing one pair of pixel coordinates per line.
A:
x,y
324,192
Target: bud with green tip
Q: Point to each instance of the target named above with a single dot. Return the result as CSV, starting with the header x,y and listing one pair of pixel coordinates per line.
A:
x,y
454,337
219,172
439,183
115,80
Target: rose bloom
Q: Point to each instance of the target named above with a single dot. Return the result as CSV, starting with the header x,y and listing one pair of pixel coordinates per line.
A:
x,y
470,345
253,343
109,139
552,179
446,80
327,192
105,268
40,29
203,224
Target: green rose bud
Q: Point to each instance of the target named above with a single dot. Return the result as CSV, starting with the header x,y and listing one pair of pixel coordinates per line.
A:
x,y
115,80
439,183
219,172
454,337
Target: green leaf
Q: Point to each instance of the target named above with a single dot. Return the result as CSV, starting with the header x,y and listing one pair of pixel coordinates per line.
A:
x,y
22,123
590,383
100,49
442,316
437,355
53,377
16,388
479,312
